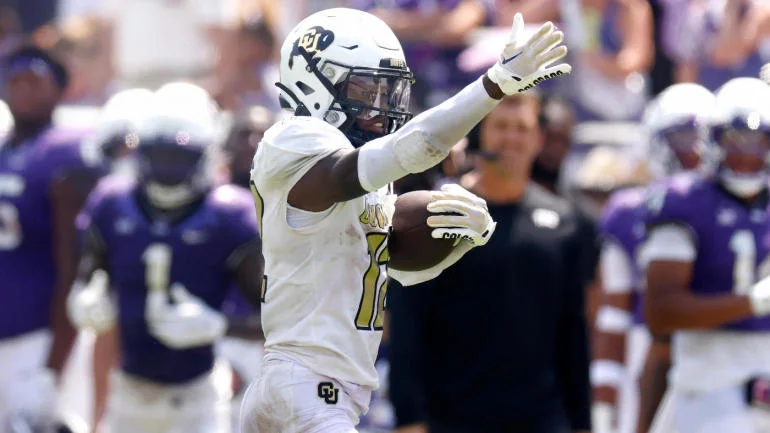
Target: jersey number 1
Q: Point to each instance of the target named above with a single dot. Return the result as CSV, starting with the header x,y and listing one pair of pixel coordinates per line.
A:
x,y
10,228
744,272
157,268
372,306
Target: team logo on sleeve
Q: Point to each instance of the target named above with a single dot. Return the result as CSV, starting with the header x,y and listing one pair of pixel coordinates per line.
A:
x,y
315,39
328,392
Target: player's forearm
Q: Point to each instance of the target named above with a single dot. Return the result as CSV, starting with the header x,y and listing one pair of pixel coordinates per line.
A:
x,y
410,278
653,383
247,328
64,334
427,139
608,365
669,312
105,357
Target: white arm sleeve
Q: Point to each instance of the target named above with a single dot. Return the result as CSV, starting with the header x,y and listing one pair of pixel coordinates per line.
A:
x,y
616,268
425,140
669,242
409,278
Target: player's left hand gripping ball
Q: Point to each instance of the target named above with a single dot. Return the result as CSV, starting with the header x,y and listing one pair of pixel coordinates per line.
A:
x,y
460,215
526,63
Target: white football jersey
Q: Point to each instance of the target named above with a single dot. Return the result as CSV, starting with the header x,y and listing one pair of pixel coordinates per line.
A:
x,y
324,293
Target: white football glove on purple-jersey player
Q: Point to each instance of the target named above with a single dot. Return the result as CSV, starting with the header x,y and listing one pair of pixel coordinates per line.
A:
x,y
188,322
524,63
759,295
90,306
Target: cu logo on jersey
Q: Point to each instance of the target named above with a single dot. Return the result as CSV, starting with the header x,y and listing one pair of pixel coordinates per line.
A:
x,y
314,40
328,392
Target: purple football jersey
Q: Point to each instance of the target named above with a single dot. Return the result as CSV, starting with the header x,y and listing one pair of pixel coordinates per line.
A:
x,y
204,250
622,221
732,240
27,268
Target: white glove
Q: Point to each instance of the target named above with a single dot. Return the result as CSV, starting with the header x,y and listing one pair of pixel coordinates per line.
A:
x,y
187,323
90,307
759,295
473,222
524,64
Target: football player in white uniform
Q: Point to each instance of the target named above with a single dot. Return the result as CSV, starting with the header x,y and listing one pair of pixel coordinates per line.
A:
x,y
322,184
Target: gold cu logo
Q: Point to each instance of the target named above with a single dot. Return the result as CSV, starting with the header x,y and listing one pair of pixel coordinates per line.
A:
x,y
309,41
314,40
328,392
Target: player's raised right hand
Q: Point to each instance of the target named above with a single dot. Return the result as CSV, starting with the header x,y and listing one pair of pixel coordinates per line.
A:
x,y
525,63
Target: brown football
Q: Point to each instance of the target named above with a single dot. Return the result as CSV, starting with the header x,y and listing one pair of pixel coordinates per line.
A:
x,y
410,246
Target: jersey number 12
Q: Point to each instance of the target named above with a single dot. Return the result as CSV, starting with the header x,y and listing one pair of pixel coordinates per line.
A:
x,y
372,307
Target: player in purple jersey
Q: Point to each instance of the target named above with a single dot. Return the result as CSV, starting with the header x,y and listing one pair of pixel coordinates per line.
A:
x,y
707,253
44,179
168,244
677,123
114,139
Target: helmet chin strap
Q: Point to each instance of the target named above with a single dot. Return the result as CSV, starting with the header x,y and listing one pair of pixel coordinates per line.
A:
x,y
167,197
743,185
358,137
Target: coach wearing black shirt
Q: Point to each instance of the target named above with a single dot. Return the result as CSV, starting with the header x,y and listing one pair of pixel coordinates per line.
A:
x,y
497,343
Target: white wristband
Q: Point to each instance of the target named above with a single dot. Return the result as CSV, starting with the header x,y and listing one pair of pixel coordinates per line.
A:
x,y
605,372
602,417
613,320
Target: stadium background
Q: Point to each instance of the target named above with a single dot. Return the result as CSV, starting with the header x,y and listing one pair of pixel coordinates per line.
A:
x,y
623,51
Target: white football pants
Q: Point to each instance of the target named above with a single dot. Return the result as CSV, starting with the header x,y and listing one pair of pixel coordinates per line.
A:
x,y
245,358
719,411
22,359
290,398
199,406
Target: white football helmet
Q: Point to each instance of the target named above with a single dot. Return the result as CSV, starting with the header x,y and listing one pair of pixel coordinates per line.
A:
x,y
346,67
741,131
183,99
115,136
176,152
677,123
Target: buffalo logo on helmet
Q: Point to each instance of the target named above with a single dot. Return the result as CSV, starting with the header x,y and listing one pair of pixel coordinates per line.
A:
x,y
315,39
